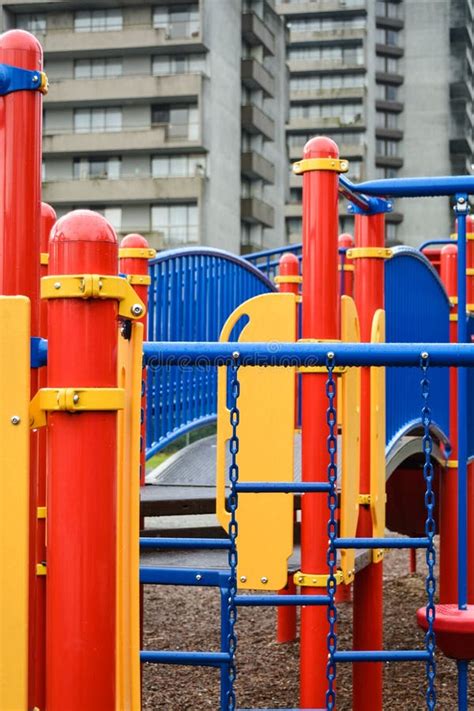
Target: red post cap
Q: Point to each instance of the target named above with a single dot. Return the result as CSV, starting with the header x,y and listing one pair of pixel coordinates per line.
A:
x,y
321,147
346,240
21,49
83,226
133,241
288,264
449,249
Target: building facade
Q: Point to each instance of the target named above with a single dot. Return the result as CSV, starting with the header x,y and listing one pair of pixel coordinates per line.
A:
x,y
391,82
167,116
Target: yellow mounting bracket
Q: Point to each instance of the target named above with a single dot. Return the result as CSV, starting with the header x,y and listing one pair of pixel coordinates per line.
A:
x,y
136,253
138,279
94,286
336,164
369,253
307,580
73,400
289,279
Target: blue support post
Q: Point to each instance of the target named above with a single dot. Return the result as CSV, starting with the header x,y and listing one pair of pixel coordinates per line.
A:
x,y
462,665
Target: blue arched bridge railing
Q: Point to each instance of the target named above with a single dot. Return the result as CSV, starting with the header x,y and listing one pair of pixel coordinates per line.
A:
x,y
267,261
192,293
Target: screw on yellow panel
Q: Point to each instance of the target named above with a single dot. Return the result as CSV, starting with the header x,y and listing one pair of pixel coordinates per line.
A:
x,y
14,500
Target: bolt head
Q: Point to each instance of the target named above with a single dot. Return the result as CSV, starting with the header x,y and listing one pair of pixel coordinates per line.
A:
x,y
35,77
136,310
75,398
461,200
330,355
57,284
235,355
264,580
243,578
424,355
198,577
15,420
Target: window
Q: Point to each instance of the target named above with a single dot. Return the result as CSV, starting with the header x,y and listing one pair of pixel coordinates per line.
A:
x,y
182,120
345,113
334,54
386,119
178,223
97,168
113,215
98,68
100,120
389,37
387,148
296,196
293,227
178,64
328,81
386,92
188,165
324,24
382,173
31,22
388,65
182,21
98,20
384,8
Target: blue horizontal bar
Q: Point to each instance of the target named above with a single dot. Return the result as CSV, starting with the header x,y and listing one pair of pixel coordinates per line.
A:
x,y
184,543
382,543
184,576
293,487
352,192
435,243
399,655
280,600
187,354
418,187
192,659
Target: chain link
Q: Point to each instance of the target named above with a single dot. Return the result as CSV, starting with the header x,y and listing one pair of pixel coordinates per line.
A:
x,y
331,418
233,529
430,528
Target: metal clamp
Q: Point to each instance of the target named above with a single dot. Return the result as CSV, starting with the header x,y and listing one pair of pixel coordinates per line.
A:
x,y
452,464
470,271
469,236
40,569
307,580
74,400
137,253
17,79
289,279
94,286
138,279
345,267
364,499
369,253
44,259
335,164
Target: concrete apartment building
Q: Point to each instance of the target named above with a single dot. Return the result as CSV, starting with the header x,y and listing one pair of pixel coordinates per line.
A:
x,y
166,115
391,82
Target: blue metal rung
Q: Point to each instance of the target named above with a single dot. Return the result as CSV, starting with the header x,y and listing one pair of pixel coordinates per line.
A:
x,y
185,543
184,576
291,487
398,655
382,543
193,659
280,600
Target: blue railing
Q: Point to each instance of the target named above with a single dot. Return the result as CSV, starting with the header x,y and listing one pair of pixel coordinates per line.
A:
x,y
192,293
268,260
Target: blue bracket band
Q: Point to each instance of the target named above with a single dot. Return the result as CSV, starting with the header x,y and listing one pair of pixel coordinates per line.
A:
x,y
17,79
376,206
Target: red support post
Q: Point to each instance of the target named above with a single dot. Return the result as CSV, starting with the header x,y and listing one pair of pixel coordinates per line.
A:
x,y
448,507
470,466
412,560
368,584
20,198
346,267
288,281
320,321
82,477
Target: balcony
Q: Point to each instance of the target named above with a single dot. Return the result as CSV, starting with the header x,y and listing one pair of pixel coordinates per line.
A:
x,y
127,89
64,41
325,6
312,66
256,211
460,91
329,94
140,139
383,161
255,76
318,123
356,34
256,167
100,190
255,33
254,120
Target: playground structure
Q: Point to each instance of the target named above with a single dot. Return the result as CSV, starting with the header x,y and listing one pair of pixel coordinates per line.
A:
x,y
376,369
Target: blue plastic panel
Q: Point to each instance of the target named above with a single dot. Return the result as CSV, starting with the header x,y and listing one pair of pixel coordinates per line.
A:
x,y
417,309
192,293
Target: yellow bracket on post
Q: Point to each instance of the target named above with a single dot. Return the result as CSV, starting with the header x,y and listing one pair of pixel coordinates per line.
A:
x,y
139,279
337,165
137,253
14,499
350,422
307,580
73,400
377,439
127,655
288,279
94,286
369,253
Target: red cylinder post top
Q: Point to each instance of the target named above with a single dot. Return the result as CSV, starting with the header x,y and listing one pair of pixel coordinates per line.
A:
x,y
449,269
345,240
134,241
288,266
21,49
321,147
48,218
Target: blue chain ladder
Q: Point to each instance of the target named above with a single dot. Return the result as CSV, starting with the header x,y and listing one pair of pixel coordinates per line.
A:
x,y
233,528
331,418
430,641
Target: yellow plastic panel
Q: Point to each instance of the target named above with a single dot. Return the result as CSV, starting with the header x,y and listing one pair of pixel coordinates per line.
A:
x,y
266,435
128,523
377,438
14,495
350,333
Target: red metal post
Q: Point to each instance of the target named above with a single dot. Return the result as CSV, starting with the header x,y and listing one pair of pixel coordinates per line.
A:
x,y
448,508
288,283
346,267
82,476
20,198
320,312
413,560
470,466
368,584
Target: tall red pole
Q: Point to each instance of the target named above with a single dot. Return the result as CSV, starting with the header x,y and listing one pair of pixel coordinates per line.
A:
x,y
368,584
20,198
448,508
320,310
82,475
470,466
346,267
288,281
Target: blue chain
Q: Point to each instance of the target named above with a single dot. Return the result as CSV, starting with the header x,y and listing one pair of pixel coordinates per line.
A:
x,y
331,418
233,529
430,640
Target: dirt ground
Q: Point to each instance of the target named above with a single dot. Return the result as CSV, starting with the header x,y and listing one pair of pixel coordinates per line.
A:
x,y
188,619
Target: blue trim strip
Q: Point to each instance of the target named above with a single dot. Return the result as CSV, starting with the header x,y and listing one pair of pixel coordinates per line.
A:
x,y
280,600
399,655
281,488
184,576
192,659
381,543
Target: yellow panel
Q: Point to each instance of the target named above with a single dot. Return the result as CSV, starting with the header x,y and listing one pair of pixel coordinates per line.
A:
x,y
14,494
266,434
377,438
128,524
350,416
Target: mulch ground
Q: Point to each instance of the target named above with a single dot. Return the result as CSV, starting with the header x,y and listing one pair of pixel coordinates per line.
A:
x,y
189,619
